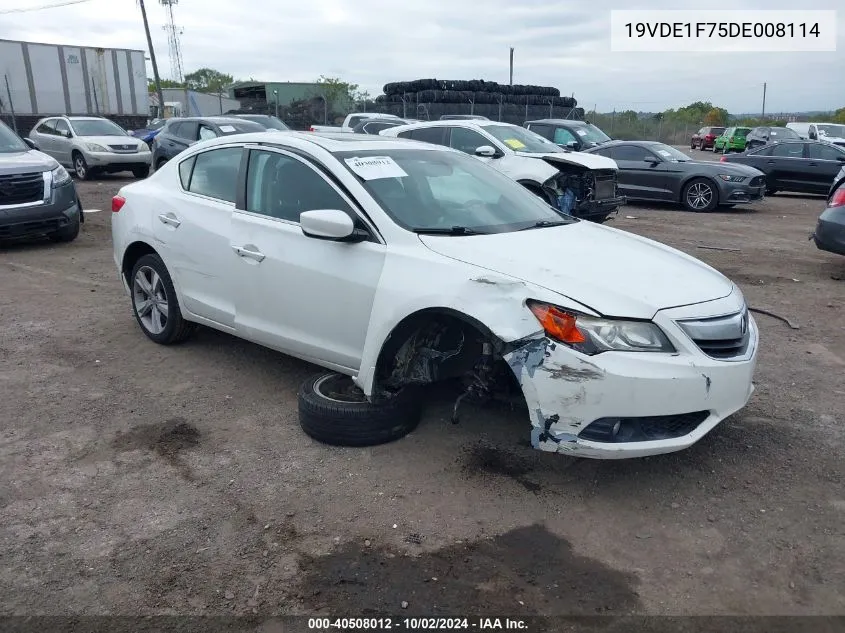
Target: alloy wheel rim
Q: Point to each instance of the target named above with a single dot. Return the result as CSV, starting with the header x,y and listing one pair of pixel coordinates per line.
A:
x,y
150,300
339,388
699,196
80,168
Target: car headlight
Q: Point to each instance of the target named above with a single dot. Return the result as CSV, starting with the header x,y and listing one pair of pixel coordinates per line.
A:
x,y
730,178
593,335
93,147
60,176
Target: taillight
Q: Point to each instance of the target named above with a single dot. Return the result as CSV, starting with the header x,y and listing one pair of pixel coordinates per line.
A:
x,y
838,197
311,129
723,159
117,203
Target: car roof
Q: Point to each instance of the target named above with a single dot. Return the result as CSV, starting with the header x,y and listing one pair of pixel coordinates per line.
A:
x,y
574,122
622,142
461,122
329,141
80,118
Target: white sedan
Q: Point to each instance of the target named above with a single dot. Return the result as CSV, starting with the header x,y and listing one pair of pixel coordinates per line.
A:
x,y
396,264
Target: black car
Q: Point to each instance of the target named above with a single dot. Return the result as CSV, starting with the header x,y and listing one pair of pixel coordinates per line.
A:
x,y
764,135
179,133
37,195
800,166
574,135
268,121
374,126
830,229
649,170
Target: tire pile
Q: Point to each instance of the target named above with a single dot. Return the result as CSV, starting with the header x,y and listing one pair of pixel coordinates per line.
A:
x,y
432,98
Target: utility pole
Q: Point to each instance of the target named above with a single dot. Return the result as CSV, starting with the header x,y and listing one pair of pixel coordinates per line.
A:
x,y
763,116
153,60
511,83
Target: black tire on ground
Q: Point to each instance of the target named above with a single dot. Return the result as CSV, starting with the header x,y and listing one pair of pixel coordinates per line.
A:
x,y
160,163
141,172
80,167
174,328
700,195
81,212
334,411
67,233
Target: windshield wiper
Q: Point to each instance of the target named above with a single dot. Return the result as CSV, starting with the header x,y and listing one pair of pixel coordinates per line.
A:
x,y
541,224
453,230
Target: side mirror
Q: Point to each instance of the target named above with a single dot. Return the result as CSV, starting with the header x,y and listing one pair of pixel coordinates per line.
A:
x,y
652,160
487,151
841,158
329,224
571,145
130,132
31,143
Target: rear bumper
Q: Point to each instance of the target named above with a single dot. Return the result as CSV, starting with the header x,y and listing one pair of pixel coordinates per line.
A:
x,y
41,219
830,231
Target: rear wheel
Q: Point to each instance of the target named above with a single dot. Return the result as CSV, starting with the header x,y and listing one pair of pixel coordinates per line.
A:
x,y
155,304
160,163
700,195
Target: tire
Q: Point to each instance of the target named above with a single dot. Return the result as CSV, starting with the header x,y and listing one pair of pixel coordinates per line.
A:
x,y
771,192
141,172
80,167
68,233
333,411
694,191
160,163
174,328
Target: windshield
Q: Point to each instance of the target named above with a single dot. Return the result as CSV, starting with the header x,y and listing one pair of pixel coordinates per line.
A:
x,y
521,140
717,131
783,132
240,127
591,134
269,122
10,142
96,127
741,132
831,130
157,124
447,192
669,153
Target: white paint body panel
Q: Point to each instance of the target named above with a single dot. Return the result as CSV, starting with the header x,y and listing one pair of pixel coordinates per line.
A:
x,y
336,304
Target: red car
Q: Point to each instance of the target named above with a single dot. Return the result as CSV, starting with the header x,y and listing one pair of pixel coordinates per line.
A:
x,y
703,139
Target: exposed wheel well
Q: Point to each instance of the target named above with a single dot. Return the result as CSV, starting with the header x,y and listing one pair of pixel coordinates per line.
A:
x,y
135,252
432,345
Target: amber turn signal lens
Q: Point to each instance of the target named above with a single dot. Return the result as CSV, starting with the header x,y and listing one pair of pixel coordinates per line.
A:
x,y
557,324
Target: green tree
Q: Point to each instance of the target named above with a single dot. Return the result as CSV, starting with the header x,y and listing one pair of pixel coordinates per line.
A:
x,y
839,116
208,80
716,116
165,83
341,94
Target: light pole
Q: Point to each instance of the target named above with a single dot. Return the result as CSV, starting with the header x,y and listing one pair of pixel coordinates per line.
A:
x,y
153,60
276,99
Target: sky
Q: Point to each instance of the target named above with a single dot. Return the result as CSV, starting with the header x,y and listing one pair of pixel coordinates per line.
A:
x,y
565,44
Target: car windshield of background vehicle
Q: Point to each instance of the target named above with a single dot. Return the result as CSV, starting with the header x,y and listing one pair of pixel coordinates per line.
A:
x,y
271,123
591,134
669,153
240,127
447,192
96,128
717,131
9,141
831,130
521,140
781,133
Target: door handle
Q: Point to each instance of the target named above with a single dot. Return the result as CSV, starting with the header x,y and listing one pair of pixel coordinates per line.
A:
x,y
249,254
770,162
169,218
813,164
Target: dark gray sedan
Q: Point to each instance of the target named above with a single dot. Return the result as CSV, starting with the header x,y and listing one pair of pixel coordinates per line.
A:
x,y
657,172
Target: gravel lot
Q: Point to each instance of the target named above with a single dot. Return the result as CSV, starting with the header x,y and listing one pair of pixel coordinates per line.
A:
x,y
137,479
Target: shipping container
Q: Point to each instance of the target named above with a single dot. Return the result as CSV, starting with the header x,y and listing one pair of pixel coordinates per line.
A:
x,y
193,103
49,79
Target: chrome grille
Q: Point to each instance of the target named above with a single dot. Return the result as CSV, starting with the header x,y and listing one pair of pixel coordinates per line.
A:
x,y
124,149
21,188
723,337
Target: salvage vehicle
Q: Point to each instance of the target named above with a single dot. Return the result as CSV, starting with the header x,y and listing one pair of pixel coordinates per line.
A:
x,y
352,120
180,134
37,194
799,166
766,134
570,134
575,183
829,234
731,140
649,170
705,137
397,264
375,126
91,145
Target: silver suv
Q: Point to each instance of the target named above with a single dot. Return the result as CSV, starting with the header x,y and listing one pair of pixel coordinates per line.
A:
x,y
91,144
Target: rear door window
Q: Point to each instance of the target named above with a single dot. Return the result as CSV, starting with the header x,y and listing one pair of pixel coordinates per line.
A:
x,y
789,150
215,173
62,128
436,135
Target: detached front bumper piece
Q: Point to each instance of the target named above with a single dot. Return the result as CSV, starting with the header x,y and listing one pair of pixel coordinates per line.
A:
x,y
618,405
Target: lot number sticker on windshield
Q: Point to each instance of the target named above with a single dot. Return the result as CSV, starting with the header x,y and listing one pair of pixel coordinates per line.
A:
x,y
375,167
663,152
227,128
581,132
514,143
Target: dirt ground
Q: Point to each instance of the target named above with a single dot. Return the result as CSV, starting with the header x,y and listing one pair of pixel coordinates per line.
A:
x,y
139,480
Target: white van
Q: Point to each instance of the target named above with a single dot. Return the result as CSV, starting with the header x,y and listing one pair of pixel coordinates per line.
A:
x,y
829,132
801,129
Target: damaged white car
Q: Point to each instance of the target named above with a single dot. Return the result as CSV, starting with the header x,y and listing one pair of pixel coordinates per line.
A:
x,y
583,185
396,264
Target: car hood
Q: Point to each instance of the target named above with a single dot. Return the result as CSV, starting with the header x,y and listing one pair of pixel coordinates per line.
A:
x,y
580,159
727,168
832,139
24,162
105,141
615,273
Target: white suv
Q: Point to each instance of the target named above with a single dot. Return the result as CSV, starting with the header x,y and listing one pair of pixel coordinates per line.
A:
x,y
583,185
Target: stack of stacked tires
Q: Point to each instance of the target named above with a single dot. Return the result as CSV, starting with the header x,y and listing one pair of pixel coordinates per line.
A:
x,y
432,98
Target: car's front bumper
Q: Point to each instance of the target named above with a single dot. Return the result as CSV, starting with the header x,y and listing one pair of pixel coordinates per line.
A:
x,y
830,231
567,391
598,208
740,193
41,218
128,160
